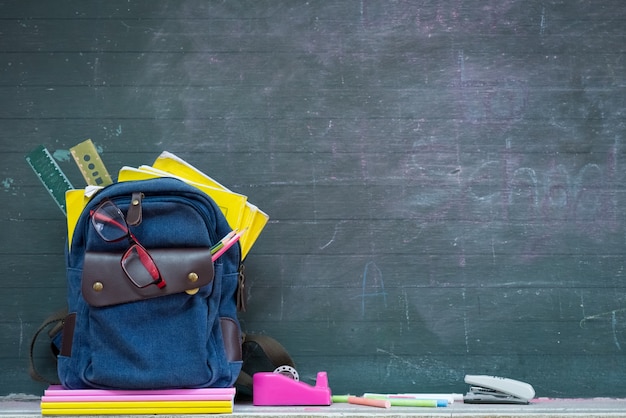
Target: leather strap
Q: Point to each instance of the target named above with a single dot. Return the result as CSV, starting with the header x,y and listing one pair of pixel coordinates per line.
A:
x,y
275,352
56,318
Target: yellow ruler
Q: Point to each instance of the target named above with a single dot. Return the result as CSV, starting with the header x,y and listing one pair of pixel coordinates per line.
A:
x,y
90,164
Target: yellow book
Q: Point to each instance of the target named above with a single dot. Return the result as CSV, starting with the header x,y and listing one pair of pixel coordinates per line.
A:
x,y
152,410
75,202
253,218
147,411
175,165
51,406
255,222
246,219
239,213
231,204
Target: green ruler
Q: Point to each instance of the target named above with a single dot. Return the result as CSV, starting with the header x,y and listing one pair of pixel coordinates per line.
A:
x,y
50,174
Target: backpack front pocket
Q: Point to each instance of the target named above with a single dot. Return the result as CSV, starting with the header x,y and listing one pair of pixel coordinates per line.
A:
x,y
151,344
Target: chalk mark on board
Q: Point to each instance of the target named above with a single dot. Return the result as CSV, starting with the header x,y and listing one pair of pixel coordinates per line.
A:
x,y
407,316
465,325
613,315
393,356
461,63
282,304
332,239
62,155
613,326
582,304
427,367
377,281
7,183
21,336
602,315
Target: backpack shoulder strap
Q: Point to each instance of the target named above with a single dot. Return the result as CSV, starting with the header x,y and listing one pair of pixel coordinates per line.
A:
x,y
267,355
275,352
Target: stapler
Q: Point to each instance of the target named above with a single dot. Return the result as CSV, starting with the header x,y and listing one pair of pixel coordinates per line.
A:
x,y
276,389
492,389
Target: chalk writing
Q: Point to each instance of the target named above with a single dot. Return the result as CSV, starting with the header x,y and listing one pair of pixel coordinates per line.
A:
x,y
610,316
372,285
438,17
614,332
600,316
557,197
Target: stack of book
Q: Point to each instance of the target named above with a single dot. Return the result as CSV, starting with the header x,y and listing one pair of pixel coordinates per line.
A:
x,y
59,401
239,212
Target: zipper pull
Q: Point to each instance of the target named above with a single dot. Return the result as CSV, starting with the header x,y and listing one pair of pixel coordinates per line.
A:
x,y
241,290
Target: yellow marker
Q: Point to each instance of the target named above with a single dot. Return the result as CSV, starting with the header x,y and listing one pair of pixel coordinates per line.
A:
x,y
90,165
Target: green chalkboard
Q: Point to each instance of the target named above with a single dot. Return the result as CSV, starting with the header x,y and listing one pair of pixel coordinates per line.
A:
x,y
445,180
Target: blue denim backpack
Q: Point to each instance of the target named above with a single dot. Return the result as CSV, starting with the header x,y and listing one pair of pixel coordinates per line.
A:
x,y
147,307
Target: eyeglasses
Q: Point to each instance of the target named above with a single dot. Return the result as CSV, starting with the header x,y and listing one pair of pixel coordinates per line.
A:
x,y
110,224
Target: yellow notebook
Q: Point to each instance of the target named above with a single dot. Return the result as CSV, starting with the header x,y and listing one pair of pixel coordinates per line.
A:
x,y
146,411
136,407
231,204
143,411
254,219
175,165
75,202
135,404
239,213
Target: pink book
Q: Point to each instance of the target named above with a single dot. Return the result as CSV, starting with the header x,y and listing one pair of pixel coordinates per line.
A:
x,y
56,393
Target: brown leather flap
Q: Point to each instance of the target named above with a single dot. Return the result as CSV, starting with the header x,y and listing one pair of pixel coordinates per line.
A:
x,y
104,282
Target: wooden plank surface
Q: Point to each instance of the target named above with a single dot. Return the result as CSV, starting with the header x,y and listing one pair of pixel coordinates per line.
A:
x,y
445,180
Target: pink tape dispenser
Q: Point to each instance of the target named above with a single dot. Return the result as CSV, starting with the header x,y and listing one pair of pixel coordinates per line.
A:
x,y
276,389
